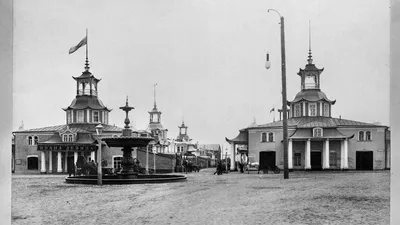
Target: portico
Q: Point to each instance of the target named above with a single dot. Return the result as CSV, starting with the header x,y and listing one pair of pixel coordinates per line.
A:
x,y
62,152
320,156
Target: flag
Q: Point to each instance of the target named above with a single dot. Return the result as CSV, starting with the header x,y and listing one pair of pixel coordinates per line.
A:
x,y
273,109
81,43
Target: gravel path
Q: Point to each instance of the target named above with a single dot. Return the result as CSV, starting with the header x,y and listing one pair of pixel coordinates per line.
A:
x,y
234,198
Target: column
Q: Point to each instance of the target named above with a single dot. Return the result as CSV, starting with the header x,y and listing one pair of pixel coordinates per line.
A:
x,y
342,154
308,155
66,162
42,162
345,162
92,157
50,161
290,154
233,157
59,166
75,157
304,109
325,155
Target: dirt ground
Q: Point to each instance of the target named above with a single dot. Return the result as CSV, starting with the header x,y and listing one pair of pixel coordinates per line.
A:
x,y
234,198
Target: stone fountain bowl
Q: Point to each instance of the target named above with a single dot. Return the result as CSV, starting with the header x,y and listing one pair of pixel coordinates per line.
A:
x,y
117,179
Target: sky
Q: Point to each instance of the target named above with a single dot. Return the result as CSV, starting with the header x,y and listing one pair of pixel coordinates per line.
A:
x,y
206,56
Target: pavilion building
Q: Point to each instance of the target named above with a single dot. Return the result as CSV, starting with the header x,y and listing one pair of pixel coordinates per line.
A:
x,y
316,139
51,148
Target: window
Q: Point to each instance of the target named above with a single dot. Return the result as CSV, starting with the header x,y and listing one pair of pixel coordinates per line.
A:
x,y
326,109
69,117
105,118
364,136
317,132
270,137
361,136
70,138
80,116
297,110
263,137
332,159
297,159
312,109
95,116
33,140
368,135
117,162
65,138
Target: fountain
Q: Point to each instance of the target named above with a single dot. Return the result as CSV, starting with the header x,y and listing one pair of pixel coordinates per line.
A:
x,y
129,173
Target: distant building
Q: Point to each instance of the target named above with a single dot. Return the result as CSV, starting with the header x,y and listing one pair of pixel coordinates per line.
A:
x,y
156,128
316,139
182,143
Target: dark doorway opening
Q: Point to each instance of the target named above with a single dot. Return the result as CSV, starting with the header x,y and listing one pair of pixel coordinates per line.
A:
x,y
33,163
267,159
364,160
316,161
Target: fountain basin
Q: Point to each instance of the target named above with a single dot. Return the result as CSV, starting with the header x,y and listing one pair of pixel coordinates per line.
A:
x,y
118,179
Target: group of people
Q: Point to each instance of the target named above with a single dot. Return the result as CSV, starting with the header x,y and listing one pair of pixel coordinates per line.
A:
x,y
82,166
241,161
222,167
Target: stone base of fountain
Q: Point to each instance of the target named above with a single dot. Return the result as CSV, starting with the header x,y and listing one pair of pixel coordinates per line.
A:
x,y
130,179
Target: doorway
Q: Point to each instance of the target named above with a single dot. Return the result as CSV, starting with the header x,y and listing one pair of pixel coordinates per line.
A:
x,y
33,163
364,160
267,159
316,161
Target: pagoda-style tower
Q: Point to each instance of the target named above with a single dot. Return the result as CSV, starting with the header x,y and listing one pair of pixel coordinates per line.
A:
x,y
183,136
87,107
155,117
310,101
156,128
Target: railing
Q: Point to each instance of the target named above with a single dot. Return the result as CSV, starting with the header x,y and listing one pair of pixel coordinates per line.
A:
x,y
310,86
87,92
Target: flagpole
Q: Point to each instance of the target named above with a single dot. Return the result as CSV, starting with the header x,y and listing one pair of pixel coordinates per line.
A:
x,y
87,59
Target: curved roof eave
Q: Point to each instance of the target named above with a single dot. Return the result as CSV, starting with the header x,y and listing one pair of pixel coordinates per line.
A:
x,y
301,99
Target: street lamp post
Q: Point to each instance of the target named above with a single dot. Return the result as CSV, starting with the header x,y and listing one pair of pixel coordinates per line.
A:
x,y
147,159
99,129
284,101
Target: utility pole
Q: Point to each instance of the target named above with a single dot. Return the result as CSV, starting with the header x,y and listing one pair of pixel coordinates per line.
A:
x,y
284,101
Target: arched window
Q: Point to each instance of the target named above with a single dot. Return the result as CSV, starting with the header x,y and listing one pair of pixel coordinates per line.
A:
x,y
368,136
70,138
30,140
263,137
361,135
33,162
36,140
270,137
65,138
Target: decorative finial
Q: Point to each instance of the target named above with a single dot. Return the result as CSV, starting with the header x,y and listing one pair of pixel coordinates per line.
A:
x,y
126,108
309,43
